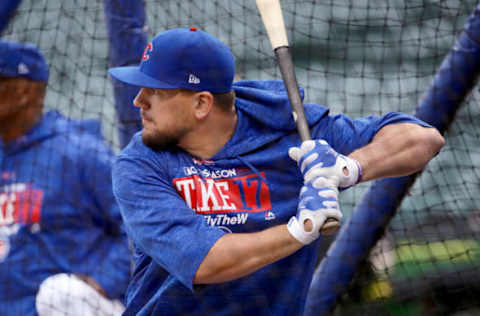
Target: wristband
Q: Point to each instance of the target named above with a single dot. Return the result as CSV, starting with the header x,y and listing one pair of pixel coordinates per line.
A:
x,y
360,171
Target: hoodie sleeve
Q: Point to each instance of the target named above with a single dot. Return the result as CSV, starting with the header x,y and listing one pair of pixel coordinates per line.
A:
x,y
158,220
346,135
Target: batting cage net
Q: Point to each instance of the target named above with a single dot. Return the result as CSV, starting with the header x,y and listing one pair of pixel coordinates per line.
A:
x,y
361,58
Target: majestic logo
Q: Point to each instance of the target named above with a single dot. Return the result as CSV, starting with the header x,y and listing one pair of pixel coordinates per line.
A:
x,y
269,216
146,52
247,194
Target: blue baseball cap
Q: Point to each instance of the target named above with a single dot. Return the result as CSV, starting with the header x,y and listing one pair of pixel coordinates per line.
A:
x,y
22,60
184,58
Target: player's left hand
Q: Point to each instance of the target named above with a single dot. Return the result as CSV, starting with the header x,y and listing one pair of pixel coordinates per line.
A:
x,y
318,201
317,159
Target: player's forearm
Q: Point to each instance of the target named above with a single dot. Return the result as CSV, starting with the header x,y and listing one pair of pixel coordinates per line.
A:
x,y
398,150
237,255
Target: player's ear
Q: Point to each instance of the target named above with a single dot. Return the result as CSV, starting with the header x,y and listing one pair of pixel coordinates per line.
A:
x,y
203,103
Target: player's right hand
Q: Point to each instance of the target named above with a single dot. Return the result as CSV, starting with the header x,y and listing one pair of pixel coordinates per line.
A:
x,y
318,201
316,158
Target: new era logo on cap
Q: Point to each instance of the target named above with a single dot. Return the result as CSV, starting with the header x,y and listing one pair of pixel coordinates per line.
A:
x,y
193,79
23,69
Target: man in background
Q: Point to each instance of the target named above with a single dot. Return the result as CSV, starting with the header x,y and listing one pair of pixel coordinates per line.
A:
x,y
62,248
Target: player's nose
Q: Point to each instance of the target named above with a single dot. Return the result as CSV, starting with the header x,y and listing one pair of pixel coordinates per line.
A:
x,y
139,100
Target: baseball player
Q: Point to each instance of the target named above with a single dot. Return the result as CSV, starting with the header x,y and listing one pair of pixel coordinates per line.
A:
x,y
220,197
62,250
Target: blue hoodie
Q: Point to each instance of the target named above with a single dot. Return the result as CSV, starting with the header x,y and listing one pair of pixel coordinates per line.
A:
x,y
57,212
175,207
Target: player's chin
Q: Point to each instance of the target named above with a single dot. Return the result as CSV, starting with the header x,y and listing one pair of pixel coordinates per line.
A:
x,y
158,142
148,136
150,132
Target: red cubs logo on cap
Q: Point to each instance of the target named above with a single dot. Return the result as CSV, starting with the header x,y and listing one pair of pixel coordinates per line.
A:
x,y
146,52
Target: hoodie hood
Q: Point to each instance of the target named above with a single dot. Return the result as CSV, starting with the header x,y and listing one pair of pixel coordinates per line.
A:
x,y
264,115
52,123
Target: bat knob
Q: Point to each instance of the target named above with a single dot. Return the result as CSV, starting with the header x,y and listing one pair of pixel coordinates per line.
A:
x,y
330,227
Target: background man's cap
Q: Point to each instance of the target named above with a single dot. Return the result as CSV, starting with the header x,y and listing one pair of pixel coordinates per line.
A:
x,y
182,58
22,60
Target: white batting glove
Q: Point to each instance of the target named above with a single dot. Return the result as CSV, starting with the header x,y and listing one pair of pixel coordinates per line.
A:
x,y
317,159
318,201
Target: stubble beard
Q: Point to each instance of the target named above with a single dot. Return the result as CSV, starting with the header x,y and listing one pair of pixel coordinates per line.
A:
x,y
161,141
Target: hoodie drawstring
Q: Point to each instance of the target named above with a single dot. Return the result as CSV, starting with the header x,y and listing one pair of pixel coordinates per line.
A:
x,y
249,165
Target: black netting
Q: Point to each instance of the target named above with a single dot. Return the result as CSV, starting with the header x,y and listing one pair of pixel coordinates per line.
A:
x,y
360,58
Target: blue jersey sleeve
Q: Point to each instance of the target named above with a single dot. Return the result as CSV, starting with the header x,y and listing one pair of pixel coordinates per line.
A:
x,y
346,135
158,220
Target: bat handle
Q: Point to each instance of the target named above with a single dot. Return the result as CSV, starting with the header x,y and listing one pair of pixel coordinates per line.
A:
x,y
291,85
331,225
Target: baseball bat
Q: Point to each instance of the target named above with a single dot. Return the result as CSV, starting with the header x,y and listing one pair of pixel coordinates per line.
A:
x,y
272,18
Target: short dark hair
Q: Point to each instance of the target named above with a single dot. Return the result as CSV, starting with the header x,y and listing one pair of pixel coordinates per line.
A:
x,y
224,101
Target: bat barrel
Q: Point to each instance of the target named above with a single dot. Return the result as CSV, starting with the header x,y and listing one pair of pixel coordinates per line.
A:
x,y
272,18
